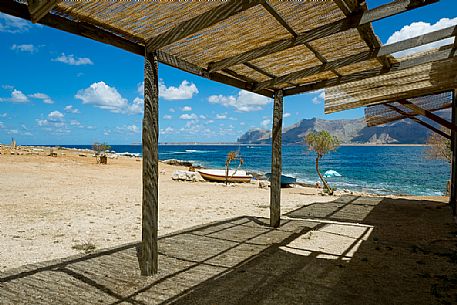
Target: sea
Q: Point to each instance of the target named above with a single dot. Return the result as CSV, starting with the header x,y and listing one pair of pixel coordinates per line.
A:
x,y
399,170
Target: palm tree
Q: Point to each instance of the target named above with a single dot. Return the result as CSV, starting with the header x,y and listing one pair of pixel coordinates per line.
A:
x,y
321,142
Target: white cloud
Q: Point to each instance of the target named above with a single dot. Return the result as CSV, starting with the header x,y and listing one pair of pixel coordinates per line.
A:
x,y
185,91
172,110
106,97
41,96
244,102
2,125
133,128
72,60
136,107
266,123
221,116
10,24
167,117
319,98
17,96
69,108
140,88
187,116
419,28
29,48
286,115
102,96
167,130
56,115
129,128
201,116
3,115
75,123
186,108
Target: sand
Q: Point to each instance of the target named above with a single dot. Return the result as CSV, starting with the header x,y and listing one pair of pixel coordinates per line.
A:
x,y
49,205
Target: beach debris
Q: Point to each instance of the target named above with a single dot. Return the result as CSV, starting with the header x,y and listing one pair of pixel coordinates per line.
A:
x,y
181,175
86,247
82,155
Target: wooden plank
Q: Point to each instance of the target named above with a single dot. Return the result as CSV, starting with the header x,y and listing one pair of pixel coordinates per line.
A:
x,y
428,114
378,53
149,247
200,22
419,121
276,161
443,53
39,8
349,22
453,195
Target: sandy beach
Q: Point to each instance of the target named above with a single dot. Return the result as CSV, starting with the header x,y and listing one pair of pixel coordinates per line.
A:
x,y
51,204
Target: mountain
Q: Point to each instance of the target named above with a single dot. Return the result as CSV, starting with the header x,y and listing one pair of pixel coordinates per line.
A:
x,y
347,131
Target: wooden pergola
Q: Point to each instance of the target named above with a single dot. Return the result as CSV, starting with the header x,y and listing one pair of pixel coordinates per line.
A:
x,y
272,48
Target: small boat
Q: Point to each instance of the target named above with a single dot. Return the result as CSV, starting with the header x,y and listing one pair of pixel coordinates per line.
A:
x,y
285,180
218,175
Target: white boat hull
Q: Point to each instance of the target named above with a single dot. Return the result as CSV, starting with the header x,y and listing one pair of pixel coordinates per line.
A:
x,y
218,175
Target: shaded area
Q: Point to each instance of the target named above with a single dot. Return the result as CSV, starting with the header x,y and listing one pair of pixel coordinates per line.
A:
x,y
354,250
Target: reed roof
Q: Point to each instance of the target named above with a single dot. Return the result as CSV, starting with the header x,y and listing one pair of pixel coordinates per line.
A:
x,y
256,45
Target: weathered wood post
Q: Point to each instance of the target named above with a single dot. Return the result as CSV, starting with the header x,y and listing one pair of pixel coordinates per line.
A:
x,y
149,249
453,195
276,161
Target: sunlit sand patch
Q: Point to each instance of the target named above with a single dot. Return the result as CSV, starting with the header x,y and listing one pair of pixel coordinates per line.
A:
x,y
333,241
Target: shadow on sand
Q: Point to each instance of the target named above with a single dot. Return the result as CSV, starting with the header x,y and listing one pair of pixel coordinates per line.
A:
x,y
354,250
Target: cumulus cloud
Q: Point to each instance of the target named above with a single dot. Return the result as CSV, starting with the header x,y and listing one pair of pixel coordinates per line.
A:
x,y
266,123
17,96
244,102
319,98
128,128
70,109
140,88
136,107
41,96
186,108
75,123
54,119
10,24
419,28
28,48
56,115
286,115
185,91
187,116
167,130
72,60
167,117
221,116
102,96
172,110
105,97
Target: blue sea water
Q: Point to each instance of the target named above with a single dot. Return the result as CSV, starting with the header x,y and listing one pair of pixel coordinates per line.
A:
x,y
373,169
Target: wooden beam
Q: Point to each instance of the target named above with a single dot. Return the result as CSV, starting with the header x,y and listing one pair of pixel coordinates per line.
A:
x,y
349,22
39,8
379,53
276,161
149,244
419,121
420,111
279,18
453,195
443,53
200,22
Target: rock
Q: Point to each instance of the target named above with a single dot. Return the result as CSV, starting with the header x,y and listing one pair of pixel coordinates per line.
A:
x,y
263,184
180,175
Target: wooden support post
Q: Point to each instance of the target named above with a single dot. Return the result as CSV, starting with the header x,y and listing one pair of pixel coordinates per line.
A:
x,y
453,195
276,161
149,249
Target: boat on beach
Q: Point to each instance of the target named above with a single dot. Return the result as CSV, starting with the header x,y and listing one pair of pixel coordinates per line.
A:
x,y
285,180
218,175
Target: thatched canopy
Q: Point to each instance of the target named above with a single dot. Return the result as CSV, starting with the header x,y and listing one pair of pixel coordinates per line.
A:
x,y
256,45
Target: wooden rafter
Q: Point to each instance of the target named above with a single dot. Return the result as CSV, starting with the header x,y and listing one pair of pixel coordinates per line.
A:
x,y
39,8
347,23
419,121
198,23
420,111
365,55
444,53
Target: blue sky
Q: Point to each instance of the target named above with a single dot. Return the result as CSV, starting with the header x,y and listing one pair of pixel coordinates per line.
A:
x,y
58,88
